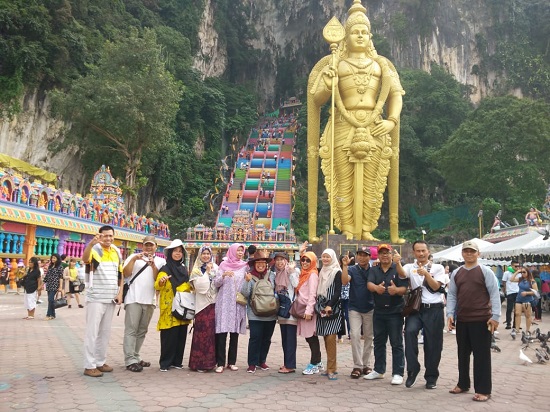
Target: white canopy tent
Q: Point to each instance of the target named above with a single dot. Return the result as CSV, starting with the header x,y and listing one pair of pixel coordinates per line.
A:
x,y
529,244
454,253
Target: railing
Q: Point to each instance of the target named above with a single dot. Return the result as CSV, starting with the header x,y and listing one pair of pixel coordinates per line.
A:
x,y
11,243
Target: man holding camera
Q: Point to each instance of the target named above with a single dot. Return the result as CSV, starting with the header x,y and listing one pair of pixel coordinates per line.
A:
x,y
104,292
140,272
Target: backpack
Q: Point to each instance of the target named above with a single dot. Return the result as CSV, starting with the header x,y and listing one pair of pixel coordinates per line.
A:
x,y
263,301
183,306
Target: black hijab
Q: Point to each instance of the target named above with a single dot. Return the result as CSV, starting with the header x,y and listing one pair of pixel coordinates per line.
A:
x,y
176,269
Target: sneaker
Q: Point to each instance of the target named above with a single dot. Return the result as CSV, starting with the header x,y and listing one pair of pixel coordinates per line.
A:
x,y
320,366
219,369
251,369
373,375
264,367
105,368
431,385
508,327
163,370
310,369
411,379
233,368
94,373
397,380
453,332
39,301
421,339
177,366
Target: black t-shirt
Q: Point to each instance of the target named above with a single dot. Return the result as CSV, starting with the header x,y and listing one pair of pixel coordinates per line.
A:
x,y
387,303
31,281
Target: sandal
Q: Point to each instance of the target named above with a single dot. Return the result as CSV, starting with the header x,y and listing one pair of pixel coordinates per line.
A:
x,y
457,390
479,397
233,368
219,369
144,364
134,367
355,373
332,376
367,370
283,369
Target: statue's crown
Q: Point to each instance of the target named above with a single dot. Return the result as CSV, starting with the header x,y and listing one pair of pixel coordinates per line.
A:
x,y
357,15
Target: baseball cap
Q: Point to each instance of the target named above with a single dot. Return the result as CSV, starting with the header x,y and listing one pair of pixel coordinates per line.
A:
x,y
470,244
149,239
384,246
363,249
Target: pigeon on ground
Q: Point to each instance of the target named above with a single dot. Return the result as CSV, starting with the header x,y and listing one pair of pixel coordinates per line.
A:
x,y
513,334
540,356
524,358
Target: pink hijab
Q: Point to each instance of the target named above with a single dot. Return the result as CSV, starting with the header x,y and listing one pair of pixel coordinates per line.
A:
x,y
231,261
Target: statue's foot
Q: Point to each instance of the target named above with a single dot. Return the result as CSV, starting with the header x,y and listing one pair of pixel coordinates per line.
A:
x,y
348,235
398,241
315,240
368,236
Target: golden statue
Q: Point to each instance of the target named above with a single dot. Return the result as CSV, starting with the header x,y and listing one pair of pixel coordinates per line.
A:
x,y
359,148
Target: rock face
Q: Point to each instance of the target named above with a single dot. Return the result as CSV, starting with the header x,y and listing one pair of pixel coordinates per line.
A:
x,y
28,136
291,30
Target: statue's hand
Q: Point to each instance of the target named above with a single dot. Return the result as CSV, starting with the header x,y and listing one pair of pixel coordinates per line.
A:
x,y
330,74
382,128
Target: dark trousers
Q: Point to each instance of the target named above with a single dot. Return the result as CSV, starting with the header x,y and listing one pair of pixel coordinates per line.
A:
x,y
345,310
260,340
510,305
538,310
432,321
51,300
288,340
172,345
221,340
315,348
388,326
473,337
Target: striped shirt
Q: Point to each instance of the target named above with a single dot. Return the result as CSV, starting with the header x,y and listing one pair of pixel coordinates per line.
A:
x,y
107,264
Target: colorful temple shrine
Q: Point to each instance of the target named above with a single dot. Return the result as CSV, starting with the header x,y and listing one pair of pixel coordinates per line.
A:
x,y
39,219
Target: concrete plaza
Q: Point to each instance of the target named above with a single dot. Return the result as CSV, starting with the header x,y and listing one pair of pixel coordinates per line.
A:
x,y
41,370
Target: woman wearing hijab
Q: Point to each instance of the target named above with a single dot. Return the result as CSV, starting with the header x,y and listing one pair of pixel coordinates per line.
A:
x,y
230,315
203,347
172,277
53,281
261,327
306,292
286,280
328,294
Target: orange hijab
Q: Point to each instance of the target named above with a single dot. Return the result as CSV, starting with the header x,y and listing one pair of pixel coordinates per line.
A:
x,y
305,274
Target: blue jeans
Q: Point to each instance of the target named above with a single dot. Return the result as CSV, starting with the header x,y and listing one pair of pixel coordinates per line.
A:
x,y
388,326
51,300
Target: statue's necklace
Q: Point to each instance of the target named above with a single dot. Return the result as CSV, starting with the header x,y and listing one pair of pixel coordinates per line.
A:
x,y
362,73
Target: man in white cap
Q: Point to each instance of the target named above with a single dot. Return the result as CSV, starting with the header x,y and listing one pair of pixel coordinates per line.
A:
x,y
140,272
473,302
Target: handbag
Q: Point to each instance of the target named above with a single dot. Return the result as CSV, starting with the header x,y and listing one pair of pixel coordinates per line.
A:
x,y
298,308
320,305
183,306
240,298
414,300
284,304
60,302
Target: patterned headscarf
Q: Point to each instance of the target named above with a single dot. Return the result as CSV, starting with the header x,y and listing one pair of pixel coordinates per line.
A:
x,y
200,267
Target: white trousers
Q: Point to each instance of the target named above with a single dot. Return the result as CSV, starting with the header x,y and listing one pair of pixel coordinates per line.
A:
x,y
361,352
99,317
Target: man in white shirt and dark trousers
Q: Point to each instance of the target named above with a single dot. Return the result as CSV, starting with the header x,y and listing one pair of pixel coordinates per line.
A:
x,y
432,278
511,290
141,269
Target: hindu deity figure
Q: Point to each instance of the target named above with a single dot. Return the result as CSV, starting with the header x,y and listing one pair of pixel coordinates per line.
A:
x,y
362,156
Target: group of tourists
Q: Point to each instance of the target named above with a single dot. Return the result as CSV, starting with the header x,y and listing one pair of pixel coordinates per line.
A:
x,y
306,302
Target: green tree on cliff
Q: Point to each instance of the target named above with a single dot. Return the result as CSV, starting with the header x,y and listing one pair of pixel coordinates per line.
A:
x,y
125,106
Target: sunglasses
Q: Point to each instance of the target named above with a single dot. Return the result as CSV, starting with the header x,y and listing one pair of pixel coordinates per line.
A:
x,y
305,259
522,273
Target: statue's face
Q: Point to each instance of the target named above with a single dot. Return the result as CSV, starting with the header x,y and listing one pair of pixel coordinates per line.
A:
x,y
359,37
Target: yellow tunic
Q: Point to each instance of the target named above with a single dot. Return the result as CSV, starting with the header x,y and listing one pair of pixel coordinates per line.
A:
x,y
166,320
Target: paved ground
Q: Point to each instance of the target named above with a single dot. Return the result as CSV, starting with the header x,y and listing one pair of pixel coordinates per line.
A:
x,y
41,370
